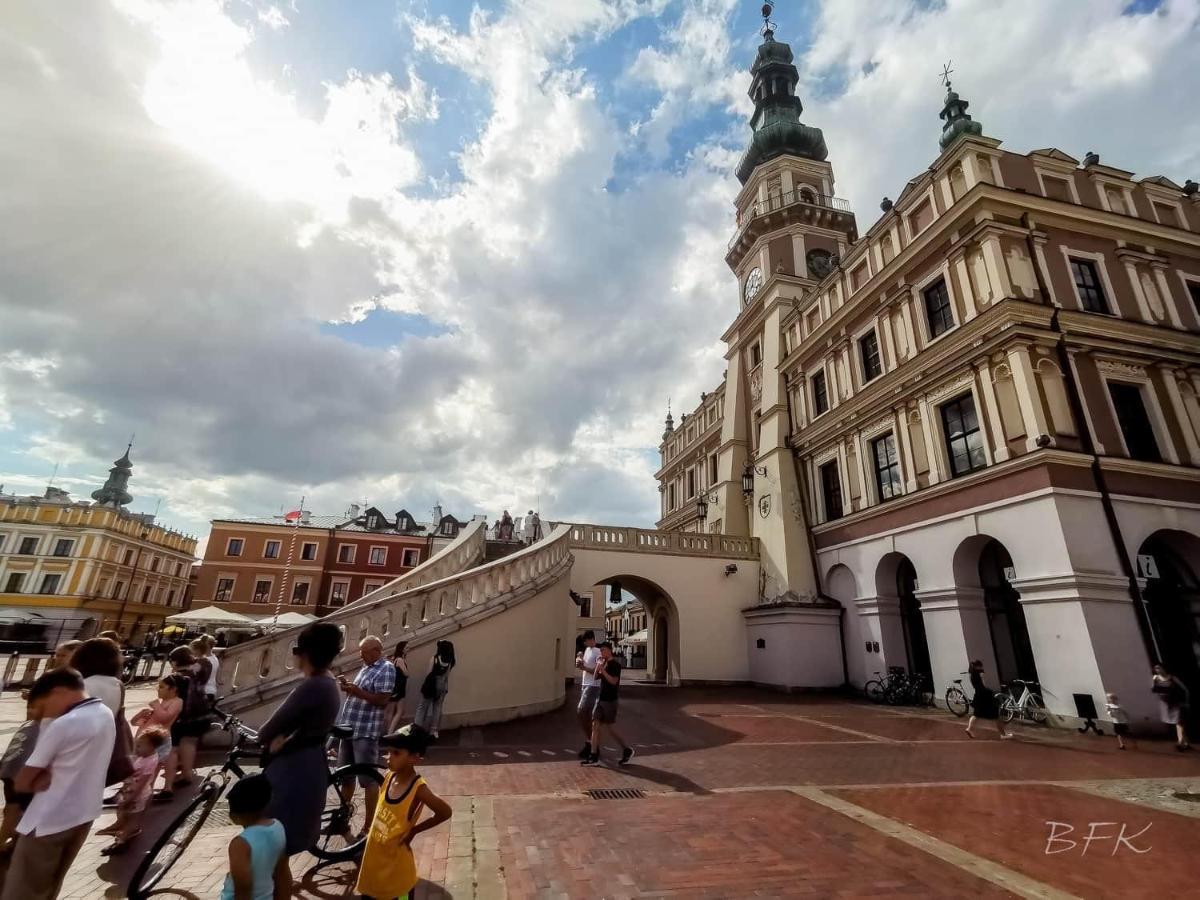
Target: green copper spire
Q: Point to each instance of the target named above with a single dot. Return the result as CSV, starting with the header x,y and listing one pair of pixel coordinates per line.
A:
x,y
776,121
115,491
954,112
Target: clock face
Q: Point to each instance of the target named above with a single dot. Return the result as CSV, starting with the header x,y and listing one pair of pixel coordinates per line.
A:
x,y
754,282
820,263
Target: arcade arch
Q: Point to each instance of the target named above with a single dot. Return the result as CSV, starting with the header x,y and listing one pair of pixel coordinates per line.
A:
x,y
662,624
896,579
1172,596
984,564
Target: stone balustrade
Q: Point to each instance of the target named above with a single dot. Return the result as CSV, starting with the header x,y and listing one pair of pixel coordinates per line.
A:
x,y
647,540
262,670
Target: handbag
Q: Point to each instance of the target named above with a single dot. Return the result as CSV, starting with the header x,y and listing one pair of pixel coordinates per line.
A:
x,y
120,764
429,686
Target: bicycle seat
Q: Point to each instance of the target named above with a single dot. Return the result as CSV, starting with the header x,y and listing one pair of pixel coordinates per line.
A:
x,y
342,732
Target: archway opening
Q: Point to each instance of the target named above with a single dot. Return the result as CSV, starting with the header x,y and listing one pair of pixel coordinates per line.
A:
x,y
1006,617
916,644
656,644
1172,559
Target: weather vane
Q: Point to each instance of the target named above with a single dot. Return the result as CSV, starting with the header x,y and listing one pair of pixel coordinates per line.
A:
x,y
946,73
768,26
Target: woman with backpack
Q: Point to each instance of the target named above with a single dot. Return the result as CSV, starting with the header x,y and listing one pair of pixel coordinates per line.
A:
x,y
434,689
1173,703
193,721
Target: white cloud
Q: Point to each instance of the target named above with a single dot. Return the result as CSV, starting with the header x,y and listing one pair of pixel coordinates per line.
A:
x,y
183,224
273,18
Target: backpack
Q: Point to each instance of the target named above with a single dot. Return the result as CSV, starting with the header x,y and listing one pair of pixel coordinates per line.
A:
x,y
195,700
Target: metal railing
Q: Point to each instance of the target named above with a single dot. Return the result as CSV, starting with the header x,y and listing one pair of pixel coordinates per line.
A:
x,y
776,202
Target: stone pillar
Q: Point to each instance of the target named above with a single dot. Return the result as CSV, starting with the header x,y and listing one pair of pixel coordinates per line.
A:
x,y
1181,415
1029,398
864,471
991,408
880,618
932,451
887,339
1168,296
907,322
904,445
993,259
1138,293
959,264
956,628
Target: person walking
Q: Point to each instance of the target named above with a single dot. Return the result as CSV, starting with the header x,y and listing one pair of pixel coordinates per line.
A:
x,y
66,775
586,661
366,698
983,703
395,709
1118,716
1173,700
434,689
608,671
295,736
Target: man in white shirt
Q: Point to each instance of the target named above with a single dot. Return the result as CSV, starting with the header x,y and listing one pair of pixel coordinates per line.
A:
x,y
66,774
202,647
586,660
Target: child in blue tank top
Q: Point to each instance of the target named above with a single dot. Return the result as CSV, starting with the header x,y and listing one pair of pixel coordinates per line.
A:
x,y
258,867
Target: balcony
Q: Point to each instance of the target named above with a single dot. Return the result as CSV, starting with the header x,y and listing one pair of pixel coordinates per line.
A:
x,y
798,203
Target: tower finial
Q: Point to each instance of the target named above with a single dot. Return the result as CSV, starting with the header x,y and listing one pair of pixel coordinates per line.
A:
x,y
768,29
946,73
954,112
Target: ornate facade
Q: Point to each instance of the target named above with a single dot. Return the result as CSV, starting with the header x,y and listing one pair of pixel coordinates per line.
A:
x,y
976,425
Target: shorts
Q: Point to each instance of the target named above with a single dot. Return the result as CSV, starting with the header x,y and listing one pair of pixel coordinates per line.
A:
x,y
1121,728
587,700
605,711
164,750
11,796
360,750
193,728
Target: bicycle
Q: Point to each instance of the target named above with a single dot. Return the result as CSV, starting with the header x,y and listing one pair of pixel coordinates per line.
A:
x,y
876,689
956,698
1028,704
343,829
910,690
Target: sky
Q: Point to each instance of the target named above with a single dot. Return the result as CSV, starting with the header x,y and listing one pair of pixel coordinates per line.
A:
x,y
410,251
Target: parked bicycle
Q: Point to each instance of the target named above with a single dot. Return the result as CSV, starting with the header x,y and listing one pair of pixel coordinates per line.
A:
x,y
343,823
956,698
1028,704
909,690
877,688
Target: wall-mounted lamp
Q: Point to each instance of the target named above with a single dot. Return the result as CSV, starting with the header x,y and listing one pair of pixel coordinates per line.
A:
x,y
748,474
702,504
730,569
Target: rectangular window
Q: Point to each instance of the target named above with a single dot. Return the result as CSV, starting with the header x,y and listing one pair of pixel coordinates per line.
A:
x,y
271,550
300,593
16,580
1166,215
1087,283
63,547
755,355
1135,425
378,556
820,394
1056,188
338,592
868,349
234,547
670,497
1194,291
28,546
831,490
938,312
128,557
146,593
224,592
346,553
262,591
712,470
50,584
170,598
411,558
887,467
964,440
691,483
178,569
118,589
448,529
154,564
308,551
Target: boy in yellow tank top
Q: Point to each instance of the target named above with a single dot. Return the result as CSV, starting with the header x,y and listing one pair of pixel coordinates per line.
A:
x,y
388,868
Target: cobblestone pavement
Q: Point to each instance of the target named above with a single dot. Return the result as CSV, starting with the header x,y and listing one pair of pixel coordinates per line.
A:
x,y
743,793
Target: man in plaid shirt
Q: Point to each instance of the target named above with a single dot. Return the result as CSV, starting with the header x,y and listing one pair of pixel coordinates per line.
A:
x,y
362,712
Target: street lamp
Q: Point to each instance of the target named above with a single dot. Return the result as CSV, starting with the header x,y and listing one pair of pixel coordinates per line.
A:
x,y
702,504
748,474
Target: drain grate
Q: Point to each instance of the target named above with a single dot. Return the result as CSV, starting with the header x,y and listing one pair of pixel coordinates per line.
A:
x,y
616,794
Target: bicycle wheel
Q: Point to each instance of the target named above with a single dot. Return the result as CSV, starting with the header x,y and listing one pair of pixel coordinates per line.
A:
x,y
874,690
174,840
1008,708
344,822
956,701
1036,709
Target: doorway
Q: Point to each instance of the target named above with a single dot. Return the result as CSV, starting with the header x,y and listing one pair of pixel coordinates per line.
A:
x,y
916,645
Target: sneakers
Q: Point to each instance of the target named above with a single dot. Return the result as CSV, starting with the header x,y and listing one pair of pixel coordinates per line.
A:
x,y
626,756
593,760
586,751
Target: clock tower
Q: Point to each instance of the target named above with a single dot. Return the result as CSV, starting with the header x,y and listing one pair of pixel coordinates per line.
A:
x,y
791,231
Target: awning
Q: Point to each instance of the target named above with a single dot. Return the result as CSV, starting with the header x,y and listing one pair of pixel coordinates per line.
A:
x,y
211,615
638,637
287,620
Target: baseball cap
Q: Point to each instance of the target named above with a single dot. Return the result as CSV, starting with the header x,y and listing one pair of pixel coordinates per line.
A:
x,y
410,738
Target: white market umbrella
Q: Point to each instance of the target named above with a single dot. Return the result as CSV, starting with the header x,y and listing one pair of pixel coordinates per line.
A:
x,y
211,615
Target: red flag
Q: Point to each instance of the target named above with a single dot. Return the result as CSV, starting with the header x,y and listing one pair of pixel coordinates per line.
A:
x,y
292,516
